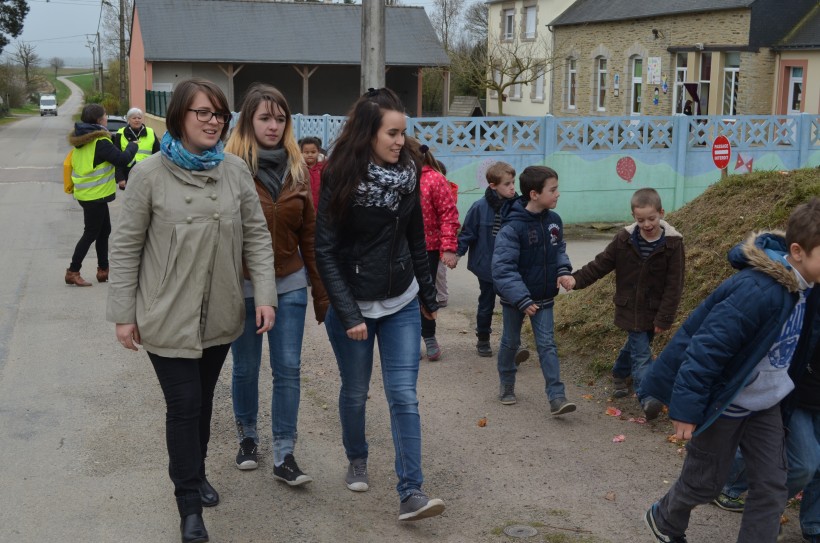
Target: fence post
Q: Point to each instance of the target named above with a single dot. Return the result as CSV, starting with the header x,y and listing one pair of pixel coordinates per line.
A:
x,y
680,131
550,124
326,130
297,126
804,122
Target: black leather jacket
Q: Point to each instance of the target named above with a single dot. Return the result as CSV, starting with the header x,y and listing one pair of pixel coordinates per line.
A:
x,y
373,255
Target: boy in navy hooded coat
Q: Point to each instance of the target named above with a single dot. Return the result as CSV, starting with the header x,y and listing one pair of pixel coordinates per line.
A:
x,y
724,374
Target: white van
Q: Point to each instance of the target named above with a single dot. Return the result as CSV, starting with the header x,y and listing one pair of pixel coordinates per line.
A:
x,y
48,104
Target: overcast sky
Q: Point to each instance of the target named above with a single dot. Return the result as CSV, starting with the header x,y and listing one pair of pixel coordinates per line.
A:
x,y
59,28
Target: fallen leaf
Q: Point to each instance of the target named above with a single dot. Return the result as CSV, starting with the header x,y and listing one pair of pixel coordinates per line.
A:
x,y
482,422
610,496
638,420
613,411
784,519
620,438
586,396
590,383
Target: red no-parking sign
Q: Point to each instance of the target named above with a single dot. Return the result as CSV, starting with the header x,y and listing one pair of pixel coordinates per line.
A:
x,y
721,152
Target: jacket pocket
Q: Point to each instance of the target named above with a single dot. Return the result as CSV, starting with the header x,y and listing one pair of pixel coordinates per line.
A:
x,y
162,277
621,301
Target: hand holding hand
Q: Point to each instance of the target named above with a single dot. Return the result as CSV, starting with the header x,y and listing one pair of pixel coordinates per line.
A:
x,y
566,281
128,335
430,316
450,259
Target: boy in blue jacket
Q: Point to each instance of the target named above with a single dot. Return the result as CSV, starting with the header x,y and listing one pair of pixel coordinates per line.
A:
x,y
724,374
529,263
477,235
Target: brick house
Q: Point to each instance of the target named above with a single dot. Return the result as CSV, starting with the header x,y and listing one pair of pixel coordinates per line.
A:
x,y
798,68
522,24
650,58
310,51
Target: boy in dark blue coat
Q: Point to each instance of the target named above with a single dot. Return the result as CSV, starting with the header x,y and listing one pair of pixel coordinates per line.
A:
x,y
529,262
724,374
477,235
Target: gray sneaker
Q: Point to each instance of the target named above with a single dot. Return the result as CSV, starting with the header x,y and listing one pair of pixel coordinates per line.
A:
x,y
651,408
620,386
522,355
560,406
418,506
356,478
506,394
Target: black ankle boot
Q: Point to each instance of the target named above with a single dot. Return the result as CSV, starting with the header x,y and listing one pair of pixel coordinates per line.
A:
x,y
192,529
209,495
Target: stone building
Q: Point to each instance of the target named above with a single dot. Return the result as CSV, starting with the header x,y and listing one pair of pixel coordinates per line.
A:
x,y
710,57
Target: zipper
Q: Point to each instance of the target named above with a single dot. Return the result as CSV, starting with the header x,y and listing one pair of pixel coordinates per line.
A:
x,y
390,261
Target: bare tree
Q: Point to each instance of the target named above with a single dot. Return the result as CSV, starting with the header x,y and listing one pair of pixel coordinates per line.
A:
x,y
26,56
445,17
111,26
12,15
56,63
476,22
506,63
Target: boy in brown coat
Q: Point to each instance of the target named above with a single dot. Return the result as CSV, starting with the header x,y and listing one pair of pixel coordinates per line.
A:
x,y
648,260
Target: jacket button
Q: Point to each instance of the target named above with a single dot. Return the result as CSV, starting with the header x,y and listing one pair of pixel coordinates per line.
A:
x,y
188,199
213,196
189,220
216,216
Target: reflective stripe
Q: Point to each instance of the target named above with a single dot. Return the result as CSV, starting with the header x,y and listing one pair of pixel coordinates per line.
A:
x,y
95,174
103,181
144,152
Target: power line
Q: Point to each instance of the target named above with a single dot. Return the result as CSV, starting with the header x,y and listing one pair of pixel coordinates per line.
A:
x,y
58,38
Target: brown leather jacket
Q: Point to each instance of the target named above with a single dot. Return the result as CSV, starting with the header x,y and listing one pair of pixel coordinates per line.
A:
x,y
292,223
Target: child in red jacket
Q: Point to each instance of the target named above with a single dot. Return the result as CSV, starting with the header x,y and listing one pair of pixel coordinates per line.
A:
x,y
315,159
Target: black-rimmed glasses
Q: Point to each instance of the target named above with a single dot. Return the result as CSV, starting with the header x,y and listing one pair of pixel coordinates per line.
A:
x,y
205,116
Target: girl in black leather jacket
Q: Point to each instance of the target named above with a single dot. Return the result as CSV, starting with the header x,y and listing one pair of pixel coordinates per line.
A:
x,y
371,255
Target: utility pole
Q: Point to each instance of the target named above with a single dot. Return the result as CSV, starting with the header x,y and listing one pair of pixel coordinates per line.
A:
x,y
99,58
372,45
123,92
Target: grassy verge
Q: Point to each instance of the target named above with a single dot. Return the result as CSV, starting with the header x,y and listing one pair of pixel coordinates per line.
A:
x,y
711,224
85,81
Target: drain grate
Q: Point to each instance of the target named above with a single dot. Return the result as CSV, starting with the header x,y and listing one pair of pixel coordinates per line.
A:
x,y
520,531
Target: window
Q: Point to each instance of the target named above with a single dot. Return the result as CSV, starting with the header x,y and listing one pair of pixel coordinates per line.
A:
x,y
679,91
704,84
529,18
601,83
572,80
637,84
538,86
795,89
731,83
509,24
515,91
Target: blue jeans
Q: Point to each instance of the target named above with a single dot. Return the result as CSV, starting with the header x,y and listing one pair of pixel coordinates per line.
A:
x,y
486,306
543,329
398,337
285,343
634,357
736,483
803,453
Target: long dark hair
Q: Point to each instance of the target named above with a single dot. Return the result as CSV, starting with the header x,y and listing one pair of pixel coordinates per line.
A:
x,y
347,165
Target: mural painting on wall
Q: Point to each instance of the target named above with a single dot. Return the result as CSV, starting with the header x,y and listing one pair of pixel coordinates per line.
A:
x,y
626,168
665,85
653,71
655,96
747,165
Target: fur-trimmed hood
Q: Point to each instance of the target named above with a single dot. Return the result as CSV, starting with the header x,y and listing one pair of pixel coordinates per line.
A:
x,y
668,230
765,252
86,133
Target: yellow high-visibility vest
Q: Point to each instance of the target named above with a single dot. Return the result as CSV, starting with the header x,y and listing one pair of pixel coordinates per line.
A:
x,y
146,144
91,183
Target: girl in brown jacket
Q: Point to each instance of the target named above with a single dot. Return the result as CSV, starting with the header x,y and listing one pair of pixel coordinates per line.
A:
x,y
264,138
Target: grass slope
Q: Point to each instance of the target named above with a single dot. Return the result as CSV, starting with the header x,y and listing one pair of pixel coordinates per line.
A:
x,y
711,224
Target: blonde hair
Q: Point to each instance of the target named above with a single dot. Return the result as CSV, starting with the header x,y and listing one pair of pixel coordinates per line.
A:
x,y
242,141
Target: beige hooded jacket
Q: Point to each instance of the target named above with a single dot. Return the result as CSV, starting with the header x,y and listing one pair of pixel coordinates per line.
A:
x,y
176,256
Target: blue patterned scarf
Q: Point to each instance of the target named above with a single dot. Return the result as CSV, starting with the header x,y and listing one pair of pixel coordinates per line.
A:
x,y
182,157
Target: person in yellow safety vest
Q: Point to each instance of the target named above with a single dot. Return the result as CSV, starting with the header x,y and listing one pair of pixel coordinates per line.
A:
x,y
138,132
92,171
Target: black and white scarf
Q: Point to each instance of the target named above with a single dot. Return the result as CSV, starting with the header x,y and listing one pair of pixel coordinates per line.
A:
x,y
272,166
384,187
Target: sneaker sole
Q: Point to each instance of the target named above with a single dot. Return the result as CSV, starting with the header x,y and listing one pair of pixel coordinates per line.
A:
x,y
358,487
649,520
521,356
566,408
248,465
507,402
433,508
620,393
725,508
484,355
653,412
301,480
434,357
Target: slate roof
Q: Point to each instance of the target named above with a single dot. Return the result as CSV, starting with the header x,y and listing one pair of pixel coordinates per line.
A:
x,y
280,33
598,11
806,34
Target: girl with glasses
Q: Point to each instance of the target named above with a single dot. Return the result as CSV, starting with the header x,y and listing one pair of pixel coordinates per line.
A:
x,y
191,217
